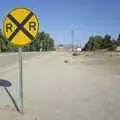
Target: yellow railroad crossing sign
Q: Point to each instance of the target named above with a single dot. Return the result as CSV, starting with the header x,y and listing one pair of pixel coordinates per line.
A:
x,y
20,26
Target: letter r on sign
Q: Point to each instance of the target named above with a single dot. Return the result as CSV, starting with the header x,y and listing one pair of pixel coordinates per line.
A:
x,y
32,25
8,27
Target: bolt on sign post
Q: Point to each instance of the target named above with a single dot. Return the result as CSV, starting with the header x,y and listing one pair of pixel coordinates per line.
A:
x,y
20,27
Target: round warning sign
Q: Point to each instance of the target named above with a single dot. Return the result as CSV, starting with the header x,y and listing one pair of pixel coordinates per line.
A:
x,y
20,26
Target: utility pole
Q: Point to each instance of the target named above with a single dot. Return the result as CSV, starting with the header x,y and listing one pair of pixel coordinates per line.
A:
x,y
72,40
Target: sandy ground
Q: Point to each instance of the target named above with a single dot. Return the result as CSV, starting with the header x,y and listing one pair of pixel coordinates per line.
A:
x,y
11,58
87,88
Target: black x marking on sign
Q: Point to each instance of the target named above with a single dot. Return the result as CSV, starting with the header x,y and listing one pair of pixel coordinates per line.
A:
x,y
20,26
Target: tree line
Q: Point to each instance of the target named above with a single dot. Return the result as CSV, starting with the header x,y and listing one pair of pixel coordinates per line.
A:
x,y
43,42
99,42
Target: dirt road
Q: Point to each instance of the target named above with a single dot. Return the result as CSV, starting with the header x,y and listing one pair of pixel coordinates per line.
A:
x,y
87,88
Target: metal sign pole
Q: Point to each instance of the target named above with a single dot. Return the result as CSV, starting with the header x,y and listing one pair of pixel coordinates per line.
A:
x,y
20,80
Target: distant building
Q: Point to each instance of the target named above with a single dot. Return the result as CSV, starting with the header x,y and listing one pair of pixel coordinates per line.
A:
x,y
79,49
68,47
118,48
